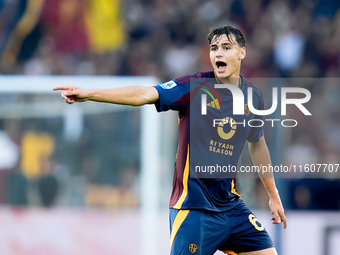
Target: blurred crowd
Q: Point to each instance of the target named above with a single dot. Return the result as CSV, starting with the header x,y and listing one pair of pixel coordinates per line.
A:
x,y
167,39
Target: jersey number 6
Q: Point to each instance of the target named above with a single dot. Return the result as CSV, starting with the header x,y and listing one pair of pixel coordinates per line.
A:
x,y
256,223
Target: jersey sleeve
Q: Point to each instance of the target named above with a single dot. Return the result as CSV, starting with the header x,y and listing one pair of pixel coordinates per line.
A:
x,y
257,132
173,95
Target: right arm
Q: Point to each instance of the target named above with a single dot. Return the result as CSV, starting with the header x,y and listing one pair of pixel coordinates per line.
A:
x,y
132,95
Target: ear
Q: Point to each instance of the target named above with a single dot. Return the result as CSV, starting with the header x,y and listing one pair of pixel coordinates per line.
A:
x,y
242,53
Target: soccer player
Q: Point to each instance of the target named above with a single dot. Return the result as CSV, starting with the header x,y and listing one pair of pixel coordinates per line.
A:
x,y
206,212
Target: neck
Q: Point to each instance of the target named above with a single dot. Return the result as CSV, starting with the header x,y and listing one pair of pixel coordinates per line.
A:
x,y
231,81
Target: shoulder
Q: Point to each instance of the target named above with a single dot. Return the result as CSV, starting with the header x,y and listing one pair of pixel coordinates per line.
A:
x,y
249,84
184,81
198,75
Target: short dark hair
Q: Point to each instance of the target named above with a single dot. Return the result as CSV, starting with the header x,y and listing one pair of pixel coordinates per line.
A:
x,y
228,31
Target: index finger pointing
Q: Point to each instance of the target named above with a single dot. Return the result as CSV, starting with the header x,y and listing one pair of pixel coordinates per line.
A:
x,y
284,220
62,88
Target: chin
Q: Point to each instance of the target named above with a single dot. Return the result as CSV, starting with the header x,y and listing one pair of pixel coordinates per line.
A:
x,y
222,75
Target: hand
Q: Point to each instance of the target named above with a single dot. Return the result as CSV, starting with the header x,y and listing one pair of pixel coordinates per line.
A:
x,y
73,94
276,207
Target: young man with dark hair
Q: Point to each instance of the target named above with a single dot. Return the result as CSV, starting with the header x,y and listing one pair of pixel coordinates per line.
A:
x,y
206,214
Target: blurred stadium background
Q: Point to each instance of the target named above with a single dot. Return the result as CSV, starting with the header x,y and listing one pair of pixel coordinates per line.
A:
x,y
83,179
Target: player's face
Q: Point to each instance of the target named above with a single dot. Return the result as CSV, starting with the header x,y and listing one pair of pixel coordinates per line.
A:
x,y
226,56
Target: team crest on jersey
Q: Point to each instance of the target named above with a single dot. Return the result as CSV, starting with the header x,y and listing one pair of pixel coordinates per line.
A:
x,y
168,85
193,248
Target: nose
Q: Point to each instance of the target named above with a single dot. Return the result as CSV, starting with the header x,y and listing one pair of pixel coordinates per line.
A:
x,y
218,53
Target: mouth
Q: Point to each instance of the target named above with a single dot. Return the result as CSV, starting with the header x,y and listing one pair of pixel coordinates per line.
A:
x,y
221,66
